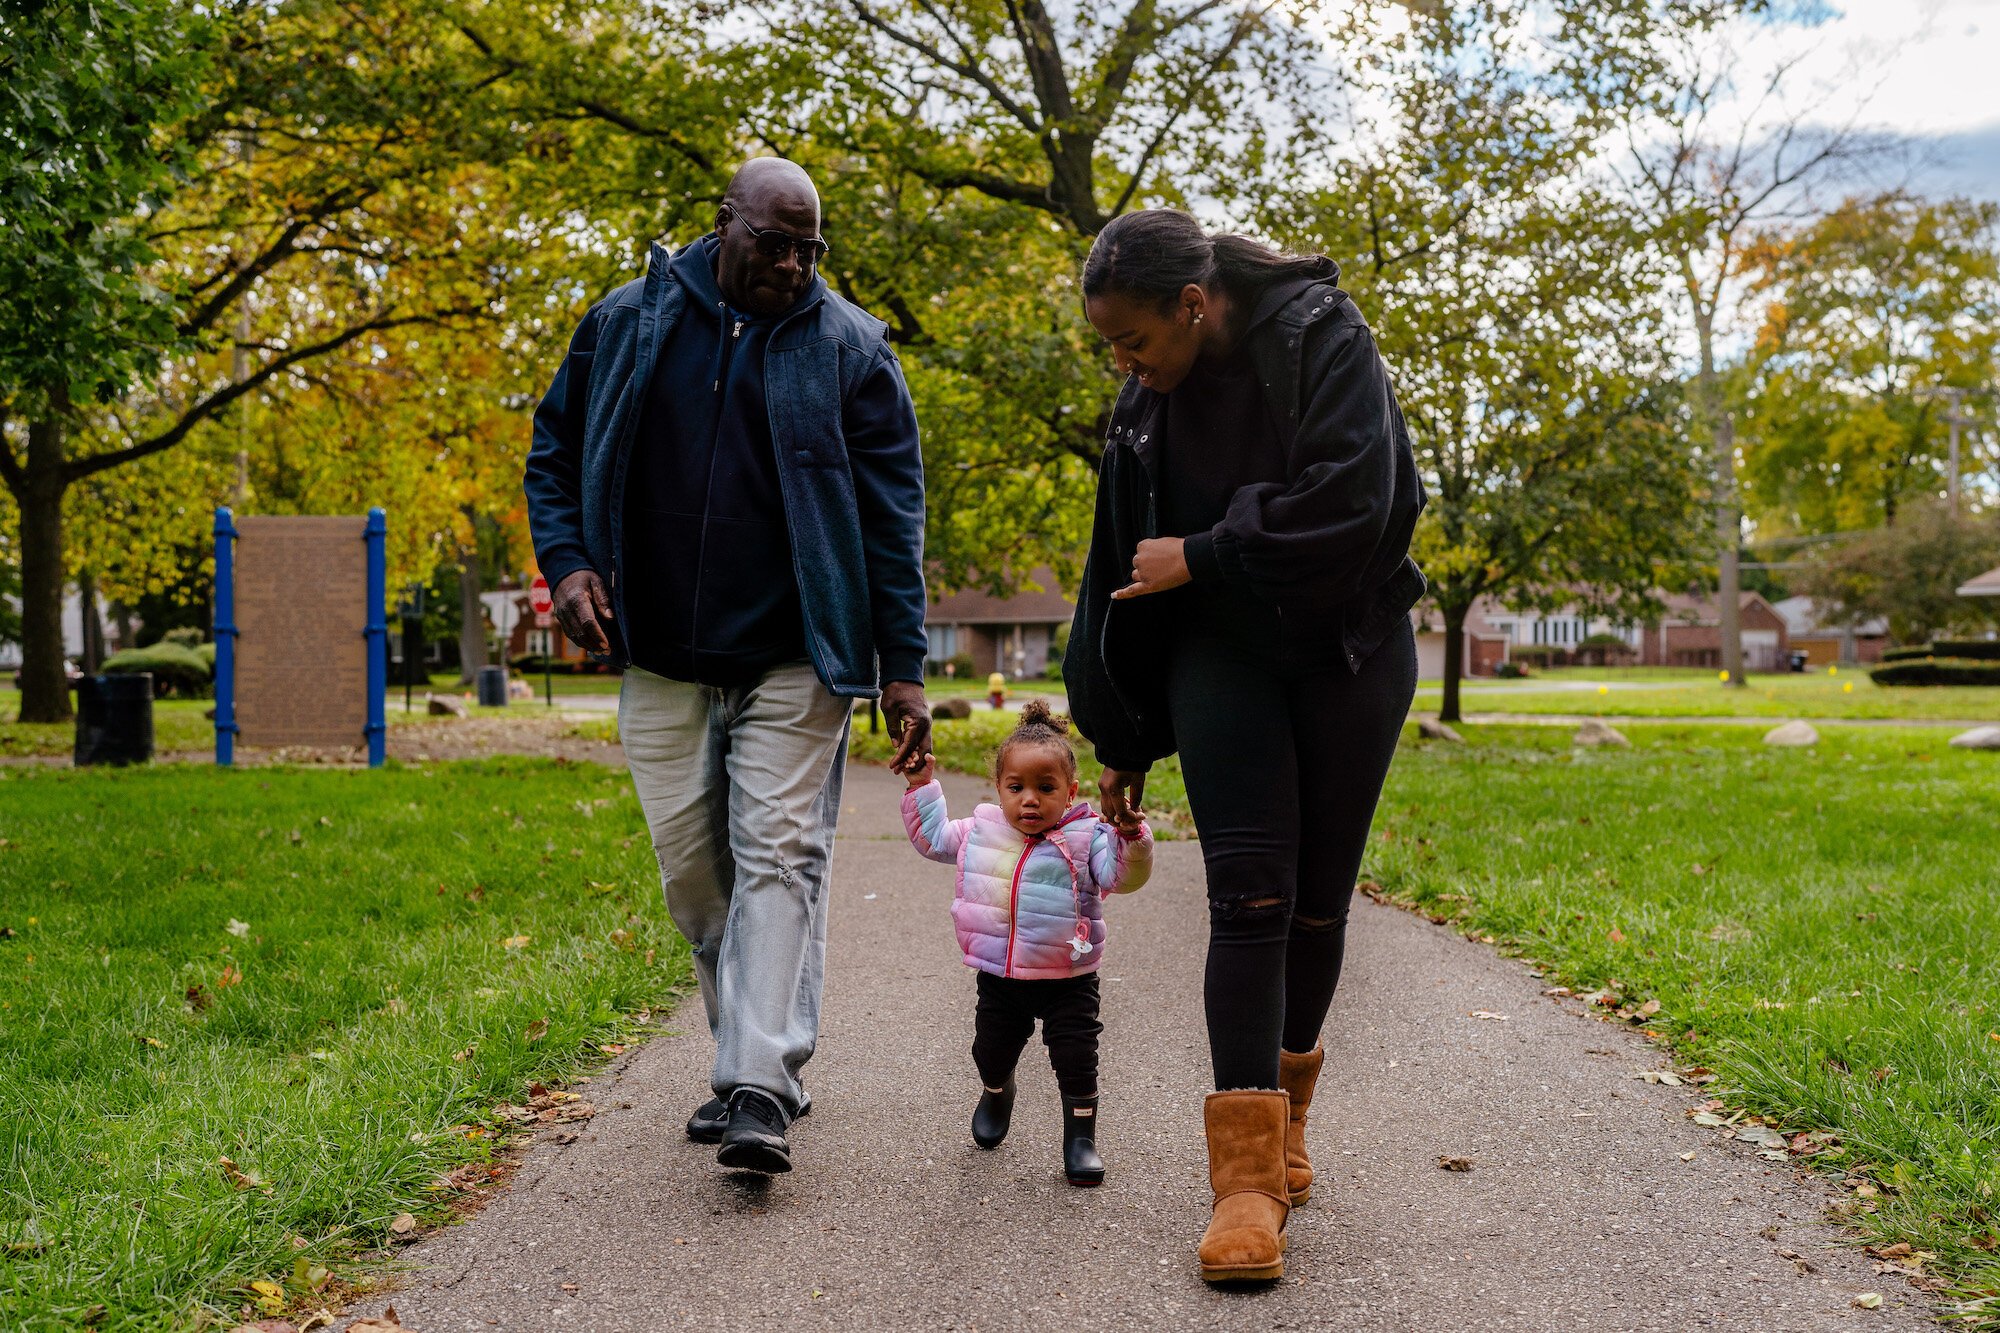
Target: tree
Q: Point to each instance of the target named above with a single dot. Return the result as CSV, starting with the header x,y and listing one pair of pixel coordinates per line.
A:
x,y
1722,158
1867,313
92,93
1515,301
1908,574
284,184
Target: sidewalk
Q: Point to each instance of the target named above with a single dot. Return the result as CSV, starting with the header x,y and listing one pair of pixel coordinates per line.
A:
x,y
1578,1212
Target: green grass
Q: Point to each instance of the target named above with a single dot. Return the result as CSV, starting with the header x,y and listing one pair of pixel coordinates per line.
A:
x,y
1666,692
378,909
1818,927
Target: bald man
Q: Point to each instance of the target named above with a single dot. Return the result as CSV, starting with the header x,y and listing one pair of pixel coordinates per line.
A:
x,y
727,495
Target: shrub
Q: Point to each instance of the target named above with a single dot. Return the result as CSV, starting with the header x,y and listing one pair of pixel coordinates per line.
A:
x,y
1980,650
1908,653
1938,671
1512,671
530,664
187,636
176,669
1536,654
962,666
206,652
1607,640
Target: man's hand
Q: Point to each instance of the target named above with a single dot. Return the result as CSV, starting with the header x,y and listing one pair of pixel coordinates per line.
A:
x,y
909,723
921,771
583,608
1121,791
1158,564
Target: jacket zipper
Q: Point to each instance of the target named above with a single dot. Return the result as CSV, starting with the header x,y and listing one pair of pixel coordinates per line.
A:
x,y
1014,901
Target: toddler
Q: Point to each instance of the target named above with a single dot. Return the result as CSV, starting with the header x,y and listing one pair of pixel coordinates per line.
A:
x,y
1032,874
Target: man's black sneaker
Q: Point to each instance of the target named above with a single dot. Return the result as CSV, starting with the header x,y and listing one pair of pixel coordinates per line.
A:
x,y
708,1121
712,1117
755,1138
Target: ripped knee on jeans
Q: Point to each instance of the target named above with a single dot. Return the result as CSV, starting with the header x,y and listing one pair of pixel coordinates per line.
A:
x,y
1247,907
1318,925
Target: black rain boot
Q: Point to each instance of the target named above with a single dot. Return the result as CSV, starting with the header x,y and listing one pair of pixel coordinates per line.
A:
x,y
993,1115
1081,1164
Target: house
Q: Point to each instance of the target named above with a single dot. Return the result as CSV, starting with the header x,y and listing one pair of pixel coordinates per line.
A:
x,y
1986,585
510,618
1012,634
1690,634
1824,645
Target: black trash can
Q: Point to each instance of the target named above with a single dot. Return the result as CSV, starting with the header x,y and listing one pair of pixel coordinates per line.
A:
x,y
114,719
493,687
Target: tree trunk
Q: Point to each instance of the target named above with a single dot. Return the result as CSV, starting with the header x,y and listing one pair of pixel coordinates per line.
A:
x,y
44,683
1454,664
1729,536
92,660
471,622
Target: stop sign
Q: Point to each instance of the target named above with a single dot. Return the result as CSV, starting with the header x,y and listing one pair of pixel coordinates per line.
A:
x,y
539,596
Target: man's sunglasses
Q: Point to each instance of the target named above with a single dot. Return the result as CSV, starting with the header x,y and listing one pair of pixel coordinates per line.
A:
x,y
772,243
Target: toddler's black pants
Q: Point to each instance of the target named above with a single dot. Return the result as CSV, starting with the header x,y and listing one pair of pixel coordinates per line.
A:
x,y
1005,1019
1283,767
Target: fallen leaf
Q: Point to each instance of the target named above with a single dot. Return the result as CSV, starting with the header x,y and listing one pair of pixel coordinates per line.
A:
x,y
537,1030
155,1042
624,940
387,1323
612,1048
1709,1118
1489,1014
1454,1163
240,929
267,1326
309,1276
1615,935
197,998
1649,1008
570,1286
1687,1157
403,1225
230,977
515,942
1868,1300
237,1176
462,1056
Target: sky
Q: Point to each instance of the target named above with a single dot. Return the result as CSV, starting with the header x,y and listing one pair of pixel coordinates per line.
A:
x,y
1934,69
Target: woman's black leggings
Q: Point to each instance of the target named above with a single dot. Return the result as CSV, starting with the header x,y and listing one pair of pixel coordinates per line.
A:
x,y
1283,769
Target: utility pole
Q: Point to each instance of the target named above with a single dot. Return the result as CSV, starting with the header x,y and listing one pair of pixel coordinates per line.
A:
x,y
239,370
1728,536
1956,418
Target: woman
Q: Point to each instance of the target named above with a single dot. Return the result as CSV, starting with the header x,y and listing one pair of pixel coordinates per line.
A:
x,y
1246,602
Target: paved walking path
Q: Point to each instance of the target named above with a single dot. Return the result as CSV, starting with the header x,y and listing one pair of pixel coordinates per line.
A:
x,y
1578,1213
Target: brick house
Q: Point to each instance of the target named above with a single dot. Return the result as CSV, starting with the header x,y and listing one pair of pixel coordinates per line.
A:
x,y
1013,634
1690,634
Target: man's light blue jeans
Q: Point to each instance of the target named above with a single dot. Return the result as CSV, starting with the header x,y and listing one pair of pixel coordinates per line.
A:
x,y
741,788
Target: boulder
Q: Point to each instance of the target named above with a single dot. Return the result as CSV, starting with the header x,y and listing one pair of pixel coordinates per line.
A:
x,y
1593,732
444,705
1979,738
1795,734
1433,730
953,709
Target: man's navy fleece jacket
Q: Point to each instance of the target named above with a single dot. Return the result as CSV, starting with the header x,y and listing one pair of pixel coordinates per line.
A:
x,y
619,481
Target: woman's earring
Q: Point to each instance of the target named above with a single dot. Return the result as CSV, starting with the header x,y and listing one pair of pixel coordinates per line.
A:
x,y
1197,316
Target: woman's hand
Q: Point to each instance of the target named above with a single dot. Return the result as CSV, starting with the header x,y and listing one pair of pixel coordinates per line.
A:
x,y
1121,791
1158,564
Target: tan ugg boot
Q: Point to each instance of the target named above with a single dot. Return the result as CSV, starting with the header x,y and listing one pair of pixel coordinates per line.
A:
x,y
1245,1241
1298,1075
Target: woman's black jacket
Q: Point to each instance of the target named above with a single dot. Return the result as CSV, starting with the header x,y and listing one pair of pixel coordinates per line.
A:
x,y
1329,546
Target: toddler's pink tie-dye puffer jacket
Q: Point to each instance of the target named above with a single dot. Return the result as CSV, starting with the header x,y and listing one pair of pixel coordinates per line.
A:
x,y
1029,907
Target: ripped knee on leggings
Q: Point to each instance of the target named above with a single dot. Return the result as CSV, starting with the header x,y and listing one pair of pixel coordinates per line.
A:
x,y
1249,907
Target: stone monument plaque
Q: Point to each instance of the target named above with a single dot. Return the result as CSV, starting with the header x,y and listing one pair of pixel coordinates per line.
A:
x,y
301,613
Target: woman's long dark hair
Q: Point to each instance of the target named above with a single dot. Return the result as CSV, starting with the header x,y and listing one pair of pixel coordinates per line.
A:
x,y
1151,255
